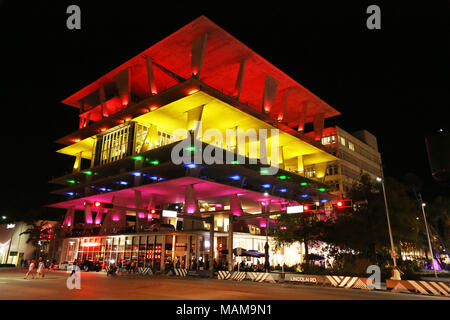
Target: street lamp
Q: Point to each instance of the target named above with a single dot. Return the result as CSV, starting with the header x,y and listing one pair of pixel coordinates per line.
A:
x,y
387,217
428,233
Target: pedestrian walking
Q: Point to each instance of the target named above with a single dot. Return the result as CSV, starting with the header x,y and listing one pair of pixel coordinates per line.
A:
x,y
40,268
30,270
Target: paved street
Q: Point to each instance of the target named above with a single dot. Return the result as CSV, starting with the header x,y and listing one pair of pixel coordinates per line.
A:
x,y
97,286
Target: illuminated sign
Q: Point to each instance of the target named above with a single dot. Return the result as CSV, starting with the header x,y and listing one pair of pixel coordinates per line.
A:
x,y
294,209
10,225
169,213
90,244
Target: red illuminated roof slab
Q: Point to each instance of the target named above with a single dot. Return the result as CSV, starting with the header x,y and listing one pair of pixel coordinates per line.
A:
x,y
221,62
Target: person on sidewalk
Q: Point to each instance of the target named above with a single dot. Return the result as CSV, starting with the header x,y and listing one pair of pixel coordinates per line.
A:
x,y
30,270
40,269
396,273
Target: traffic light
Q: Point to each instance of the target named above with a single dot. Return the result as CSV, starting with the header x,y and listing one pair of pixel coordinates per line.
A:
x,y
341,204
99,204
309,207
152,212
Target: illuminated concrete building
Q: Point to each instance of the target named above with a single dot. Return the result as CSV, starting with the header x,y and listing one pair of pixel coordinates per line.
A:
x,y
357,152
122,153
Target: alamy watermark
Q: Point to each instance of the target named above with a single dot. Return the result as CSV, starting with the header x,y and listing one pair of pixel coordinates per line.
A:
x,y
255,141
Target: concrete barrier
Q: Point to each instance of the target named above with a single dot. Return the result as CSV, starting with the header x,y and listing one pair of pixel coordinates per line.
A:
x,y
348,282
263,276
436,288
145,271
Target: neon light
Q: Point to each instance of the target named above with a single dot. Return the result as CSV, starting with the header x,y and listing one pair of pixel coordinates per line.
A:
x,y
192,91
153,108
235,177
88,172
154,162
282,177
283,228
324,200
191,148
191,165
283,190
136,174
264,171
71,181
305,196
322,189
265,185
304,183
123,183
235,162
76,140
137,158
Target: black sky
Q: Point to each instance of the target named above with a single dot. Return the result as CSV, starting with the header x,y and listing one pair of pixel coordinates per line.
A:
x,y
393,82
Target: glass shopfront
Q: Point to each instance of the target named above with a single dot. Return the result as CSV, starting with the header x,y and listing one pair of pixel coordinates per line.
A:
x,y
144,251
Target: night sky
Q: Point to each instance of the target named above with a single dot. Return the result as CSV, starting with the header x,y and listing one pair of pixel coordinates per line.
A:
x,y
393,82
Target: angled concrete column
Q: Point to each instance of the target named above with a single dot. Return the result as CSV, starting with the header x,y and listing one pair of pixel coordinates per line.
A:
x,y
77,163
88,213
235,205
281,153
191,207
151,139
300,165
140,216
270,89
102,95
285,106
302,117
320,170
98,217
190,200
198,52
150,76
118,217
123,83
239,79
194,117
68,219
318,126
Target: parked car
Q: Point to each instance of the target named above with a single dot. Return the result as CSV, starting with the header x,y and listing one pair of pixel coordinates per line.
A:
x,y
88,265
64,265
160,227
